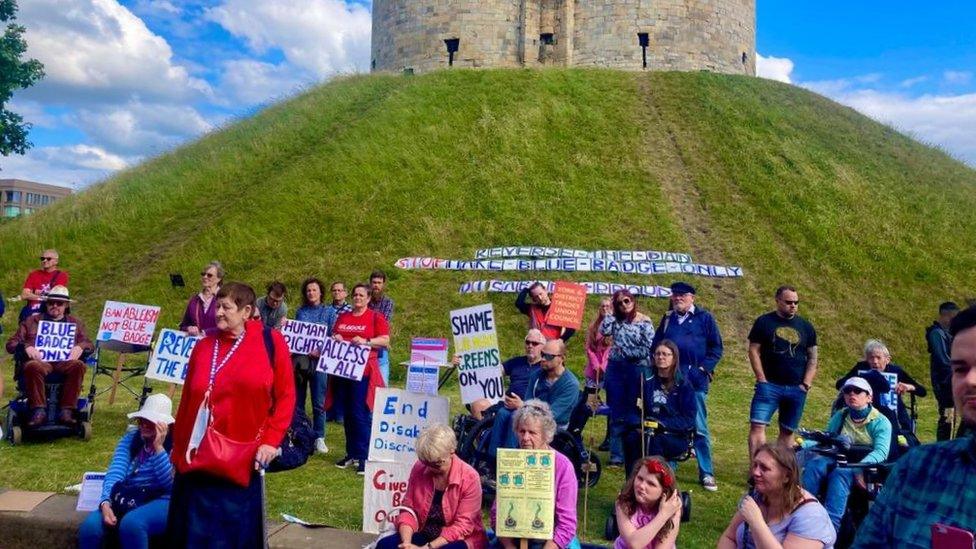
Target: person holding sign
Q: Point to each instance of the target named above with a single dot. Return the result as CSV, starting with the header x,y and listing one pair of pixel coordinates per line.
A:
x,y
199,317
538,312
535,428
238,400
631,333
444,495
28,342
135,494
877,357
306,374
361,326
648,509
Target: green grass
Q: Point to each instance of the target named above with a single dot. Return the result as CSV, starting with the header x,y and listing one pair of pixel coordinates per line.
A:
x,y
871,226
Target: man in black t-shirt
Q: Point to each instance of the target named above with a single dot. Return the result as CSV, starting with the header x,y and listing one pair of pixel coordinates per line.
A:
x,y
783,355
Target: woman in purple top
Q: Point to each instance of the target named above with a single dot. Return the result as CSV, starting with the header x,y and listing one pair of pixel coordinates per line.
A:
x,y
777,512
534,427
648,509
201,310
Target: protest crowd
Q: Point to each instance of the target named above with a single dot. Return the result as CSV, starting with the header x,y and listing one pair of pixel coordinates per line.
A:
x,y
194,475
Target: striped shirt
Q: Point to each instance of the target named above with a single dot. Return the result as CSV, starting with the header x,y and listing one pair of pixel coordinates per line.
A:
x,y
156,470
930,484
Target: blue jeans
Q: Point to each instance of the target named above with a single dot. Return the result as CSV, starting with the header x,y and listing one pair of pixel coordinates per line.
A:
x,y
770,397
703,439
357,419
393,541
839,482
319,381
383,355
134,530
622,383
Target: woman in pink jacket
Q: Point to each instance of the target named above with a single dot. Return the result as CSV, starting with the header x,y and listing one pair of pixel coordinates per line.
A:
x,y
444,495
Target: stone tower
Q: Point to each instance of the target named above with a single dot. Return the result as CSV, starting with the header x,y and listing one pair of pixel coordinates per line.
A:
x,y
690,35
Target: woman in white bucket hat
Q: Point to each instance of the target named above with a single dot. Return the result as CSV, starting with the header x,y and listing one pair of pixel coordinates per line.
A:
x,y
136,492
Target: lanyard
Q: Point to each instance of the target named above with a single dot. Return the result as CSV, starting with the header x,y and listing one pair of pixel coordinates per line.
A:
x,y
214,366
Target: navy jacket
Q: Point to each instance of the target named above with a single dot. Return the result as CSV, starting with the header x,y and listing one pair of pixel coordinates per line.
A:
x,y
675,409
699,344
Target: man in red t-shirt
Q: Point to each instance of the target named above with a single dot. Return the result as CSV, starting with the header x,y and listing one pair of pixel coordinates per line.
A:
x,y
40,281
538,312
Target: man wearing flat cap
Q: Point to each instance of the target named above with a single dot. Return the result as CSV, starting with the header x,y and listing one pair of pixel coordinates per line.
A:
x,y
695,332
55,309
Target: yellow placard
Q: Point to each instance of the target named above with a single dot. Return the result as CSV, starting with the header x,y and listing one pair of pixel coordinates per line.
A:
x,y
526,494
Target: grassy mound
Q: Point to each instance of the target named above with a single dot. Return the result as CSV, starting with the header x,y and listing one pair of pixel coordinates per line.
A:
x,y
870,225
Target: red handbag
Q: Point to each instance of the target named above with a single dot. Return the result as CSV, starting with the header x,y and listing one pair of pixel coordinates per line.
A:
x,y
224,457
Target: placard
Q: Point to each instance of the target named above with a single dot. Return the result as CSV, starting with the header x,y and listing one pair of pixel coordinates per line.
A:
x,y
428,350
343,359
398,417
568,305
90,496
384,488
572,265
171,356
304,337
128,323
592,288
55,339
475,340
525,496
618,255
422,379
889,399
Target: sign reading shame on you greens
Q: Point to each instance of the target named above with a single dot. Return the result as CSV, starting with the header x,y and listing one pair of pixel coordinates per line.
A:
x,y
475,340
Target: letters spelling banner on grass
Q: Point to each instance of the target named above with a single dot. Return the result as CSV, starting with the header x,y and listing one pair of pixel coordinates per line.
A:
x,y
55,339
592,288
616,255
384,488
128,323
571,265
171,356
343,359
398,417
568,304
475,340
304,337
526,493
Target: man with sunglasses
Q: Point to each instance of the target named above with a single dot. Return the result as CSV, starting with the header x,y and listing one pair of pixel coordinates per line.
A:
x,y
518,370
552,383
783,355
40,281
56,309
866,427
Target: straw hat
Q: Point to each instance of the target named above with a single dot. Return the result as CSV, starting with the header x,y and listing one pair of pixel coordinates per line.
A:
x,y
57,293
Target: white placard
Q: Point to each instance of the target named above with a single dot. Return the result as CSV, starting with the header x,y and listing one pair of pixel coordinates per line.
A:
x,y
90,495
475,340
304,337
422,379
384,488
171,356
55,339
343,359
128,323
572,265
398,417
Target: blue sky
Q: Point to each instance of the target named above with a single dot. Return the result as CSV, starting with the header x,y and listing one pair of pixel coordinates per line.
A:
x,y
129,79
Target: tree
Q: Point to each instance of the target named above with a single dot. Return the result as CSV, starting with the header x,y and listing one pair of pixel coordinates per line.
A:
x,y
15,74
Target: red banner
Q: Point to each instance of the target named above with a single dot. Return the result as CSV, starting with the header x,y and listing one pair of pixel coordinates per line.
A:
x,y
568,302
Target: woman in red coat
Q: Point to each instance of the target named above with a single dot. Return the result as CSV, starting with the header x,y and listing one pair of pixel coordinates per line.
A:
x,y
239,386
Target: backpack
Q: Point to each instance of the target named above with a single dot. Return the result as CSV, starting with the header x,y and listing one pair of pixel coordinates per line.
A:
x,y
297,446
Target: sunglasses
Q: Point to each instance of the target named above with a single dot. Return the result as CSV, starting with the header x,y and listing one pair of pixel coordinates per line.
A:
x,y
432,464
205,274
854,390
547,356
48,258
625,301
57,303
533,343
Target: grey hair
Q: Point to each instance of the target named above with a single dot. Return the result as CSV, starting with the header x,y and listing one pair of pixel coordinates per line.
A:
x,y
436,442
876,345
536,410
215,265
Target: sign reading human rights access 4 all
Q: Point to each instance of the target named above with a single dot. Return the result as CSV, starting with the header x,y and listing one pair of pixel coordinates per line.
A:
x,y
475,340
343,359
171,356
55,339
304,337
128,323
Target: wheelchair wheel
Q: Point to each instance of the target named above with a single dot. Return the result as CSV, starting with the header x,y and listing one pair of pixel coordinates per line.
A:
x,y
85,431
610,531
567,444
595,466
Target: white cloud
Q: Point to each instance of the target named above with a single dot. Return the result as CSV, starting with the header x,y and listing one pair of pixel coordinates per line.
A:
x,y
911,82
774,68
957,77
69,166
250,82
138,128
98,51
319,36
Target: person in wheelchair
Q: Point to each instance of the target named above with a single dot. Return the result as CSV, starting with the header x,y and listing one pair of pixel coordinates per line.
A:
x,y
648,509
552,383
868,428
518,370
669,408
35,369
877,357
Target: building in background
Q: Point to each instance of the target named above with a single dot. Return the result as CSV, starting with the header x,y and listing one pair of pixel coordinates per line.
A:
x,y
19,197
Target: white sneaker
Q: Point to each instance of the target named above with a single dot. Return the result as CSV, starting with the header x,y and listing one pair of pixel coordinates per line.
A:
x,y
320,446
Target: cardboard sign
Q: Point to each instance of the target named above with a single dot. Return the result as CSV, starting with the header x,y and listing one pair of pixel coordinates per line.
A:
x,y
422,379
889,399
398,417
343,359
384,488
55,339
526,497
304,337
475,340
90,496
592,288
128,323
568,304
171,356
428,350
